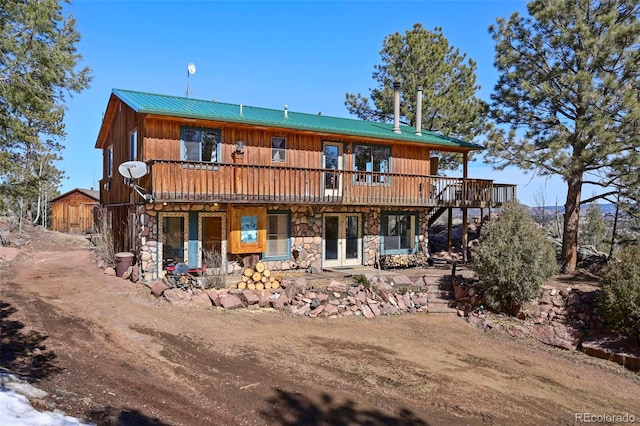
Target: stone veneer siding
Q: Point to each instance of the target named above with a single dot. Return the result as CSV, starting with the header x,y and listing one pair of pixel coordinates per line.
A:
x,y
306,235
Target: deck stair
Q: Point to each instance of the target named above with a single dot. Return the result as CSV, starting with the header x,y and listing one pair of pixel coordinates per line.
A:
x,y
440,298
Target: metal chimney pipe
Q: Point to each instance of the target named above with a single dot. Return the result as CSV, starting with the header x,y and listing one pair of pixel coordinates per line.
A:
x,y
396,107
419,112
286,111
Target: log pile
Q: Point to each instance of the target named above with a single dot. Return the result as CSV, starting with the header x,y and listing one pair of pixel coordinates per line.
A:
x,y
259,278
396,261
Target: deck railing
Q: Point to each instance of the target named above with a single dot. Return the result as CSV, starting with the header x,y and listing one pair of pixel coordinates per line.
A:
x,y
184,181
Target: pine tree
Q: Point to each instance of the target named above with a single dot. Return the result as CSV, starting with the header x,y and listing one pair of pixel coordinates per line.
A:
x,y
568,97
38,61
593,229
423,58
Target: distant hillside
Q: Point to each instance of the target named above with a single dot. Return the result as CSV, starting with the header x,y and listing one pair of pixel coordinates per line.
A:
x,y
606,209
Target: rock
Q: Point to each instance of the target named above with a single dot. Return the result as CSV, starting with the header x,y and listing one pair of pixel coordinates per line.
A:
x,y
337,286
384,286
301,310
317,311
331,310
230,301
459,292
110,271
375,309
158,288
557,334
519,331
280,303
250,297
177,296
613,347
402,280
214,296
366,311
202,299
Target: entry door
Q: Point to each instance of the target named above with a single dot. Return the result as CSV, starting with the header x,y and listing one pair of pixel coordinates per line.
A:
x,y
332,160
342,243
213,240
173,239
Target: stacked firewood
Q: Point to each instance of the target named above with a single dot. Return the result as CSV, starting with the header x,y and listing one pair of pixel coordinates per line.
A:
x,y
259,278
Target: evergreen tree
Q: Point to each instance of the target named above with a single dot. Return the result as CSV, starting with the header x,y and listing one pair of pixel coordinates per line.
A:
x,y
568,94
38,61
593,229
425,59
514,259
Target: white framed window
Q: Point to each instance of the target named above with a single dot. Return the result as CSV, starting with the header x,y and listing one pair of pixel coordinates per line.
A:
x,y
278,150
133,145
202,145
278,240
109,161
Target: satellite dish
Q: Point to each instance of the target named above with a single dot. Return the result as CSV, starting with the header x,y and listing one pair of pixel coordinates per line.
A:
x,y
191,68
133,169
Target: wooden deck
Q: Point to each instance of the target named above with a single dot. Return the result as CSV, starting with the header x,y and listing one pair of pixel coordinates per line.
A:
x,y
183,181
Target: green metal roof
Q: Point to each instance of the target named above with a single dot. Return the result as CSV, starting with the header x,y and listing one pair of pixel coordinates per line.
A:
x,y
174,106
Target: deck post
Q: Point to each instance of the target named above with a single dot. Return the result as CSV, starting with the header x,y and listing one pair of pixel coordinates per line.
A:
x,y
465,229
449,229
238,158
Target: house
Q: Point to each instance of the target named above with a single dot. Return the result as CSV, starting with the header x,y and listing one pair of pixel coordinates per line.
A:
x,y
297,190
73,211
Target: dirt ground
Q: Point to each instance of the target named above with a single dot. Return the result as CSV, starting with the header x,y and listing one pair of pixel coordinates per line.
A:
x,y
111,353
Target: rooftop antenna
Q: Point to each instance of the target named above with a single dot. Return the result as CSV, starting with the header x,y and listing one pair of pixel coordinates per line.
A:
x,y
191,69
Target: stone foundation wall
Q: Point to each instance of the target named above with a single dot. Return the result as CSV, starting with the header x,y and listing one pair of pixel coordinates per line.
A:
x,y
306,236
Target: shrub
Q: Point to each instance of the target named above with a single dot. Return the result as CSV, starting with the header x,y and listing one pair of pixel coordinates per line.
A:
x,y
619,300
513,259
103,239
215,274
362,280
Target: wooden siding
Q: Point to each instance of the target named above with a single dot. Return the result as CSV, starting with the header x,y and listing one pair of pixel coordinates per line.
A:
x,y
73,214
303,149
113,189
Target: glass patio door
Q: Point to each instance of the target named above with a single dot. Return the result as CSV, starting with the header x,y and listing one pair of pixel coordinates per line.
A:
x,y
342,242
332,163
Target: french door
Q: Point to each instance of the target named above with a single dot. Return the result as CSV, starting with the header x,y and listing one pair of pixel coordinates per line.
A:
x,y
332,163
342,242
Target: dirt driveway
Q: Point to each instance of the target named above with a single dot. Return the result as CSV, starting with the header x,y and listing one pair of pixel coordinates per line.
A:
x,y
109,352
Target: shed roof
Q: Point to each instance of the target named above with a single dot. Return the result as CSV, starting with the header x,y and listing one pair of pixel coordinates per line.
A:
x,y
91,193
175,106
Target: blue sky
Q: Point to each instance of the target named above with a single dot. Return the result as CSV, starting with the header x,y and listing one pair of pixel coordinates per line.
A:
x,y
305,54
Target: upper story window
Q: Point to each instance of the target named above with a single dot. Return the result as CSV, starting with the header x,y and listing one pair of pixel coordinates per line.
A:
x,y
133,145
278,150
201,145
110,161
371,158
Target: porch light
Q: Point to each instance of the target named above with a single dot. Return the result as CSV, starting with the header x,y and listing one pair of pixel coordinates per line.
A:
x,y
240,147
